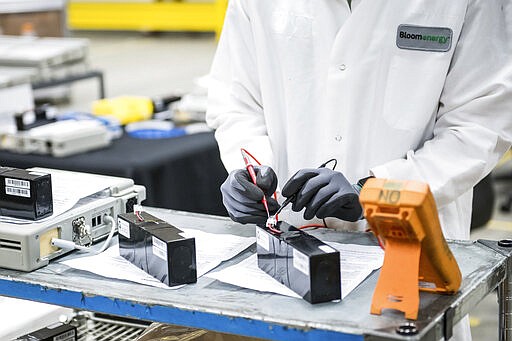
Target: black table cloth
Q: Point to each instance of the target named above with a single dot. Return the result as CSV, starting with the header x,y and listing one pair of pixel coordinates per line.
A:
x,y
182,173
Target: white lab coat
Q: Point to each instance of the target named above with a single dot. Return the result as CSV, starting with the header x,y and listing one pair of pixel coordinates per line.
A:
x,y
297,82
508,21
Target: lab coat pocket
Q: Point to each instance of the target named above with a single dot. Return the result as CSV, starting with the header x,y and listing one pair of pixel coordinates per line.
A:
x,y
293,49
291,24
413,88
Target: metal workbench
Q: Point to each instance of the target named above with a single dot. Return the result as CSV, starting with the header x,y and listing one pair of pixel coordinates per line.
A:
x,y
48,62
212,305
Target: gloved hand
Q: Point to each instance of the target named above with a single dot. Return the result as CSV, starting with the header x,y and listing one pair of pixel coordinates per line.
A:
x,y
242,198
324,193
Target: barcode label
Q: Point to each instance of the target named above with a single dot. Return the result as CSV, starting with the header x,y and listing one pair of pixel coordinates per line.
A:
x,y
262,239
159,248
17,183
19,192
123,228
301,262
326,249
67,336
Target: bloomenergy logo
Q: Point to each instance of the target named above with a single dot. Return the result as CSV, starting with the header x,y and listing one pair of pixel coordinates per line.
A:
x,y
426,37
434,39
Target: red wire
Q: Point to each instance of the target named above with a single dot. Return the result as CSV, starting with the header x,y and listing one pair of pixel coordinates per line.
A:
x,y
275,194
381,244
274,230
275,197
252,156
311,225
259,164
303,226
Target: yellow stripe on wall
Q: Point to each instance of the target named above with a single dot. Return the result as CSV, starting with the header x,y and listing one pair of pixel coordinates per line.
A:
x,y
157,16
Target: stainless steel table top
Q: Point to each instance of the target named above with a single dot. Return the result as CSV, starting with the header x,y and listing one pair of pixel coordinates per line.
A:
x,y
217,306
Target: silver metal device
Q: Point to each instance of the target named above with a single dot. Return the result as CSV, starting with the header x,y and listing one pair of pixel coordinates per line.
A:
x,y
62,138
45,58
29,246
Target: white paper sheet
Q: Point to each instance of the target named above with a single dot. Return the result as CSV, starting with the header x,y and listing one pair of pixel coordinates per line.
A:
x,y
67,189
357,262
211,250
111,264
246,274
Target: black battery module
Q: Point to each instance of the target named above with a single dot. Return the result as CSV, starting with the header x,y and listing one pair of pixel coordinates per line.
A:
x,y
157,247
300,261
58,331
25,194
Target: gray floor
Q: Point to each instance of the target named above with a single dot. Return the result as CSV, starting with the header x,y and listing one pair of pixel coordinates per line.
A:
x,y
152,65
143,64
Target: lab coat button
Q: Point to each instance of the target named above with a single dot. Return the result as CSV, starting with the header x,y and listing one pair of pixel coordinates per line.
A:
x,y
342,67
338,138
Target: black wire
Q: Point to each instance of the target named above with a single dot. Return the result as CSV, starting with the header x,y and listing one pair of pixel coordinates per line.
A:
x,y
293,197
333,168
329,161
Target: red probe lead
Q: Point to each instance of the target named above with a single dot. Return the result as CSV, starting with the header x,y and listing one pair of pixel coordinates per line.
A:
x,y
252,174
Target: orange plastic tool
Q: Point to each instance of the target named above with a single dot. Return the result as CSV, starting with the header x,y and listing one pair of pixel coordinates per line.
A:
x,y
403,215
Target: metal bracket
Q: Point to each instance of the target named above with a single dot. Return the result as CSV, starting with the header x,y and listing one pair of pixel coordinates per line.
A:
x,y
504,247
448,323
500,246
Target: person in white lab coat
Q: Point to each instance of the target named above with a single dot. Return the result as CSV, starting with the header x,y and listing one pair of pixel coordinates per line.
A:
x,y
417,89
508,21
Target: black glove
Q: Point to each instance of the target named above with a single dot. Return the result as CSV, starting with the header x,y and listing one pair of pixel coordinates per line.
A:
x,y
324,193
242,198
